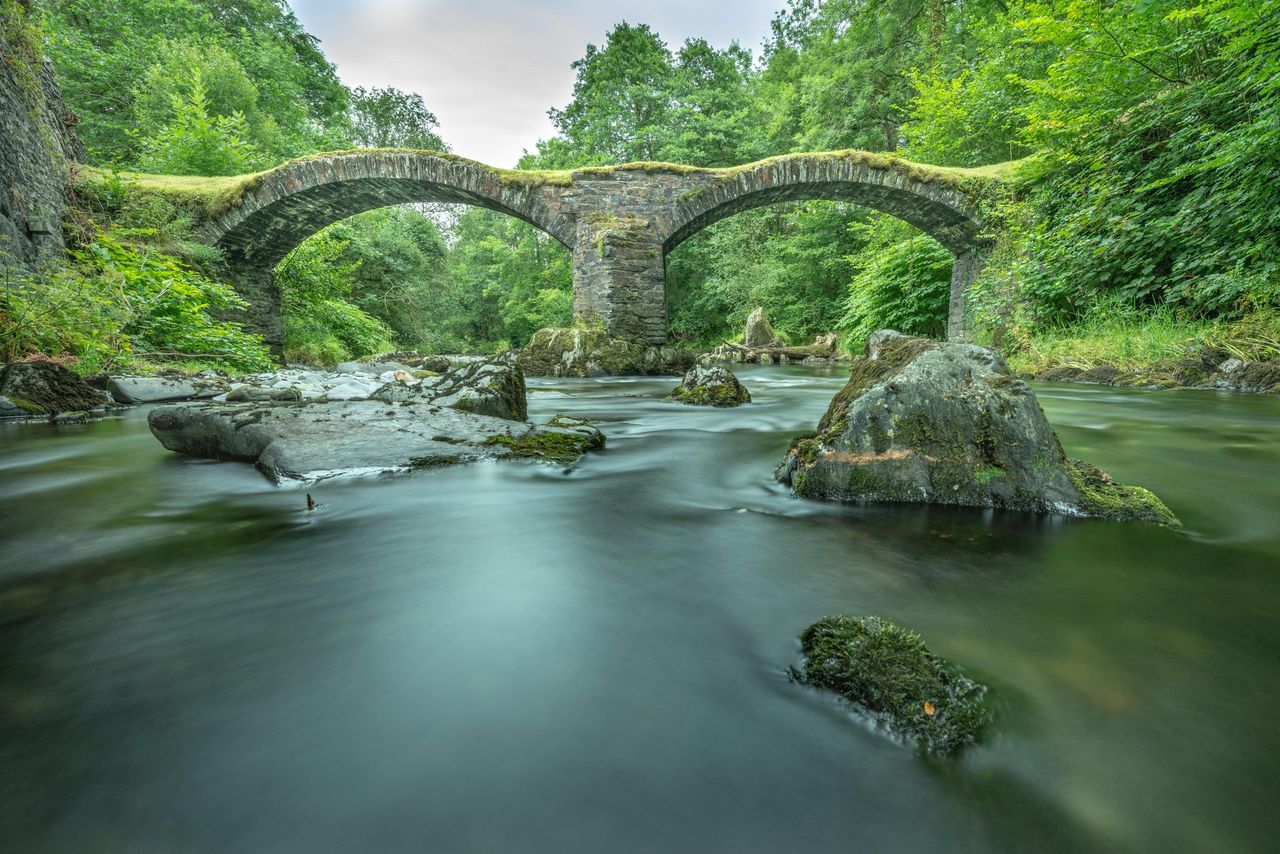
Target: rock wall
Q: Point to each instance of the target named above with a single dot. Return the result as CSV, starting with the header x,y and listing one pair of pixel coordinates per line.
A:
x,y
37,142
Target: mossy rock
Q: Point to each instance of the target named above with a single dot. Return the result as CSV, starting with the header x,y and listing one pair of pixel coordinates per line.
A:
x,y
923,421
564,441
1103,497
887,672
47,388
561,352
1260,377
710,386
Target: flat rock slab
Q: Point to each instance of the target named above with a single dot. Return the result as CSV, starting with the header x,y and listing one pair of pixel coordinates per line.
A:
x,y
155,389
310,440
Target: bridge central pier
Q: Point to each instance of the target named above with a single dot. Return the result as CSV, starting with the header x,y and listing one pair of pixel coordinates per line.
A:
x,y
619,277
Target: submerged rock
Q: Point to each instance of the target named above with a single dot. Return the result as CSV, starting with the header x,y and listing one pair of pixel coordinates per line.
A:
x,y
317,439
758,331
924,421
45,388
572,438
711,386
888,672
592,353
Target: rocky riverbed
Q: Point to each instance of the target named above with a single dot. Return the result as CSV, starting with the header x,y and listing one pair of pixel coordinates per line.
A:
x,y
306,426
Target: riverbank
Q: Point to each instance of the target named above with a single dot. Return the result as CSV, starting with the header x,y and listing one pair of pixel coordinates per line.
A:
x,y
1155,351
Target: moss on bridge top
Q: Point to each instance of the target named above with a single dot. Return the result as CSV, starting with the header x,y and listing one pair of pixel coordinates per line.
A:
x,y
213,197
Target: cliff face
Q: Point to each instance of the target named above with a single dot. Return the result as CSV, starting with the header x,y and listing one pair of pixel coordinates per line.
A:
x,y
38,143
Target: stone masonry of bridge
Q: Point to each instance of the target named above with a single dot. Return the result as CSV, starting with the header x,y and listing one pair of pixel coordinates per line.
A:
x,y
619,222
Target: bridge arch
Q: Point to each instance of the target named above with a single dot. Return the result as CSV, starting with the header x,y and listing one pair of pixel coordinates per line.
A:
x,y
940,202
932,199
281,208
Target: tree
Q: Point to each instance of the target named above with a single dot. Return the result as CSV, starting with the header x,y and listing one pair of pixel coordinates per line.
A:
x,y
390,118
622,97
195,143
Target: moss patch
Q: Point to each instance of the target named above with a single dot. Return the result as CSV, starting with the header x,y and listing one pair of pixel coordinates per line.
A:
x,y
719,394
887,671
1105,498
210,197
556,447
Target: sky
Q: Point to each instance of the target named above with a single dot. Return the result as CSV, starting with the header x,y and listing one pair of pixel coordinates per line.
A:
x,y
490,69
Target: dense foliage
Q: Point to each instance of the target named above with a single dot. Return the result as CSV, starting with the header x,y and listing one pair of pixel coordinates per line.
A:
x,y
1151,130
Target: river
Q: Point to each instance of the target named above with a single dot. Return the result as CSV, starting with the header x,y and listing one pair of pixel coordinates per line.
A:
x,y
510,657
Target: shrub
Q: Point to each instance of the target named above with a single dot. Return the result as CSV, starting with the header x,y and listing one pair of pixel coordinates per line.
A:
x,y
902,281
121,303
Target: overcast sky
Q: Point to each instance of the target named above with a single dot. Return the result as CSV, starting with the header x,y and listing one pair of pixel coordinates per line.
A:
x,y
490,69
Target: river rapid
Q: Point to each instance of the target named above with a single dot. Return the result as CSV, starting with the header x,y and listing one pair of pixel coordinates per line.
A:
x,y
511,657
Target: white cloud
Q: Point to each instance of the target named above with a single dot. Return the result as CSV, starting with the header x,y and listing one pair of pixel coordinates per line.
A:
x,y
490,69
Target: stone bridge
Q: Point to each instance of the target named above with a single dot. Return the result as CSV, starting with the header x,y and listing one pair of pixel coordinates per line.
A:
x,y
619,221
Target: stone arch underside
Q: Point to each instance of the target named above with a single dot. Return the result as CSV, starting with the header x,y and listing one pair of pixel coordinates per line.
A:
x,y
935,204
287,205
294,202
952,228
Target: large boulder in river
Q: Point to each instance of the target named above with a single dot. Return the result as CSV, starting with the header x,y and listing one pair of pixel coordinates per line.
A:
x,y
711,385
593,353
45,388
310,440
758,331
924,421
493,387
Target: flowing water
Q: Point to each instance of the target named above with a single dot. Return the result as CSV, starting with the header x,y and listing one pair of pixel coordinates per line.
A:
x,y
509,657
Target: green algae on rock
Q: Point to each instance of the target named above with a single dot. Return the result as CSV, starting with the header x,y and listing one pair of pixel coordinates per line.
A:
x,y
566,441
888,672
923,421
710,385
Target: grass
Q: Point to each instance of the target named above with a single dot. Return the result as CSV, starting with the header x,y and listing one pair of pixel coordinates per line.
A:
x,y
1152,343
214,196
1127,340
209,196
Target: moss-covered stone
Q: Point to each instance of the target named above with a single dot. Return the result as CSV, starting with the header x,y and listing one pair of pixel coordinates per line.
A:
x,y
888,672
921,421
555,445
710,386
47,388
557,352
1103,497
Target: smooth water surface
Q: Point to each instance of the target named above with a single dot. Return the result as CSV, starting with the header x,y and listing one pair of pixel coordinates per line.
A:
x,y
510,657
